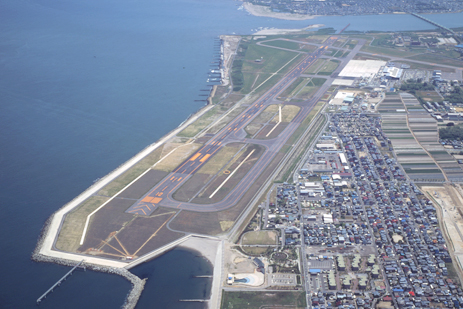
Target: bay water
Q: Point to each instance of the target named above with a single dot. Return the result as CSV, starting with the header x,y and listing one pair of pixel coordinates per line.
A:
x,y
85,85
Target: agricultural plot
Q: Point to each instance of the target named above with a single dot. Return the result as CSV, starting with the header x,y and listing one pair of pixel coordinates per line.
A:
x,y
407,149
412,104
424,129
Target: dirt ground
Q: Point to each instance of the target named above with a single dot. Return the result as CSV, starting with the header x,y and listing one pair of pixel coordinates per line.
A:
x,y
450,209
236,262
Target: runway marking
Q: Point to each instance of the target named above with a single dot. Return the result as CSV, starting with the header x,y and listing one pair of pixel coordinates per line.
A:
x,y
274,127
172,177
123,248
195,156
180,179
156,200
147,199
205,158
231,174
154,234
114,248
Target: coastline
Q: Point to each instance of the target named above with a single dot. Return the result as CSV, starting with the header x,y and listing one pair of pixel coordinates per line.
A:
x,y
262,11
45,252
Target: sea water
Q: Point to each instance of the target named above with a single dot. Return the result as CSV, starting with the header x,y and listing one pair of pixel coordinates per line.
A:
x,y
85,85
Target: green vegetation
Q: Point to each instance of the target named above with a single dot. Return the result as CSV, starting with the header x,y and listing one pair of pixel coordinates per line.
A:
x,y
317,82
237,75
328,30
412,87
202,122
452,132
456,95
266,299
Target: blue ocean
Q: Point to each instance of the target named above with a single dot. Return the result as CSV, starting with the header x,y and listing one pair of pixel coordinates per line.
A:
x,y
85,85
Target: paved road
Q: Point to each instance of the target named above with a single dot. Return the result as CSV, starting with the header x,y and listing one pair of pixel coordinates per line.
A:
x,y
161,193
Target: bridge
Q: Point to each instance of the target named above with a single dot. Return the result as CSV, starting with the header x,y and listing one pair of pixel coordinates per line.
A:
x,y
59,282
433,23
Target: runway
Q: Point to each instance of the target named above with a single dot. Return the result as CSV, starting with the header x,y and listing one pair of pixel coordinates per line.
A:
x,y
160,195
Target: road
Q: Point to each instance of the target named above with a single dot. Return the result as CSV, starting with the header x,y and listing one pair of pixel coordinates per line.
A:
x,y
161,194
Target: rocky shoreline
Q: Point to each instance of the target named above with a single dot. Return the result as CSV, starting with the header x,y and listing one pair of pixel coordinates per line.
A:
x,y
137,283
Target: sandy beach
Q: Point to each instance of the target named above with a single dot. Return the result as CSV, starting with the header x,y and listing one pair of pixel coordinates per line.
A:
x,y
258,10
212,250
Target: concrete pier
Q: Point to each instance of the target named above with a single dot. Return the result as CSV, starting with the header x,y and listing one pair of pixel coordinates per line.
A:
x,y
59,282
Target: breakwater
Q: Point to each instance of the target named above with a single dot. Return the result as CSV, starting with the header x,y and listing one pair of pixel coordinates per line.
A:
x,y
137,283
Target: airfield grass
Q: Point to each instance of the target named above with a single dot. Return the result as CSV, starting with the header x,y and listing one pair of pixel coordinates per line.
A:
x,y
288,112
120,182
202,122
436,59
283,44
315,67
262,118
227,119
73,225
217,162
328,67
295,86
264,299
272,59
177,157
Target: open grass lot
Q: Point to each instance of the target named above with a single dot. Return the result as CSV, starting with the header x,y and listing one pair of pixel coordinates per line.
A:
x,y
71,231
436,59
135,171
181,153
272,59
202,122
388,51
259,238
432,96
260,300
328,67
